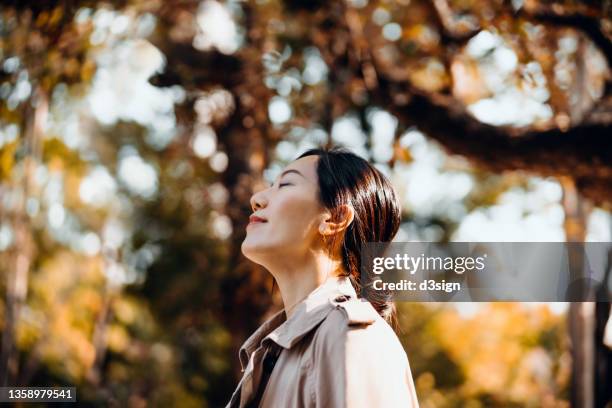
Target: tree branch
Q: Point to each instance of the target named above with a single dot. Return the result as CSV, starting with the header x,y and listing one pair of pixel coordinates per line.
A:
x,y
196,69
454,28
590,26
581,152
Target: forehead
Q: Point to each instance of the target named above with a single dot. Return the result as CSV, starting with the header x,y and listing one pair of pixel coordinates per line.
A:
x,y
305,165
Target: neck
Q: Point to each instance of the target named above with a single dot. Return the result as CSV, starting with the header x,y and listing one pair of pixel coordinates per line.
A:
x,y
299,278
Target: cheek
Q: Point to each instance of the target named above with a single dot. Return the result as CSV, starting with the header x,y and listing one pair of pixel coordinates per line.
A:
x,y
292,219
296,215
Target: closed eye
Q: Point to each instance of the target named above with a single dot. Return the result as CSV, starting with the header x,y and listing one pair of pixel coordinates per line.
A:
x,y
283,184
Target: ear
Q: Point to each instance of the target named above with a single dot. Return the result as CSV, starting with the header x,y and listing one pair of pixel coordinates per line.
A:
x,y
331,227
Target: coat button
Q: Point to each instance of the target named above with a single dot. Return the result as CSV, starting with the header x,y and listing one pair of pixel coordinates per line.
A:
x,y
342,298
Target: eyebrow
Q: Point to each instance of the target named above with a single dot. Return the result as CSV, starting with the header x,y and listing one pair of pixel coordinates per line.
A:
x,y
291,171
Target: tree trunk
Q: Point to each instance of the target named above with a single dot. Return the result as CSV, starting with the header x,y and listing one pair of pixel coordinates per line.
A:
x,y
581,315
23,248
603,348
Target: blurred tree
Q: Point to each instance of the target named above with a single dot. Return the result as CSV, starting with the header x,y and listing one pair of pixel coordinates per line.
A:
x,y
510,85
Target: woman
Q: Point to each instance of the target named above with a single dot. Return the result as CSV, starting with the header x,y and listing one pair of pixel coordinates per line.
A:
x,y
327,347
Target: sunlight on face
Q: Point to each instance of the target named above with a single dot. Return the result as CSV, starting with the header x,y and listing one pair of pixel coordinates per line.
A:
x,y
292,212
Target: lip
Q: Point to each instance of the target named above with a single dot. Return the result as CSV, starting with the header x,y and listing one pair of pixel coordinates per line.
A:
x,y
254,219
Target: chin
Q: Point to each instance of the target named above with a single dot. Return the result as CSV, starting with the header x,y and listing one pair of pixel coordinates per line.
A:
x,y
250,250
256,252
245,248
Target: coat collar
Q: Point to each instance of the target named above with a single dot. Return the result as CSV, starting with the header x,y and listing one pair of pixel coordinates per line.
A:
x,y
308,314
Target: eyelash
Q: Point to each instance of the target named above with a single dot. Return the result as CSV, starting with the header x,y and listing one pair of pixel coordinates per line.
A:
x,y
283,184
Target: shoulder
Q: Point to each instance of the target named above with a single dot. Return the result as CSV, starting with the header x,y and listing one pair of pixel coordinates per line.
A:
x,y
361,365
354,329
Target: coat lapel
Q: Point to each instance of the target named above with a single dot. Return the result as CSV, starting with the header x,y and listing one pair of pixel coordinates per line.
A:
x,y
286,333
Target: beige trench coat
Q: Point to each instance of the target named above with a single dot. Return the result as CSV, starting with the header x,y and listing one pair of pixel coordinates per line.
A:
x,y
334,351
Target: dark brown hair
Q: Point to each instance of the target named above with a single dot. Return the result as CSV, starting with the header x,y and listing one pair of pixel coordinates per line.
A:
x,y
346,178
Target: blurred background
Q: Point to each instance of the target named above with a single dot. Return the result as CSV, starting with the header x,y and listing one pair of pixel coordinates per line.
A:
x,y
133,133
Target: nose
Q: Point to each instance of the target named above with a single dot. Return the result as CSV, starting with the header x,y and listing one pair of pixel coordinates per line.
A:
x,y
258,201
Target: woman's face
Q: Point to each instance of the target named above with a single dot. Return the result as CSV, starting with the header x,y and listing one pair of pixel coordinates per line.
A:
x,y
292,215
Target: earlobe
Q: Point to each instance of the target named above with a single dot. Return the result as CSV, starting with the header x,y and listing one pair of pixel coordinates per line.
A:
x,y
325,220
347,216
